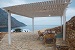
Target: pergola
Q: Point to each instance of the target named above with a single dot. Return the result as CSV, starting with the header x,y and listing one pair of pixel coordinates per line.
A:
x,y
39,9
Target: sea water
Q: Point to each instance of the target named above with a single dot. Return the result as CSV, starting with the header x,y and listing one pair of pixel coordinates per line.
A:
x,y
28,28
36,27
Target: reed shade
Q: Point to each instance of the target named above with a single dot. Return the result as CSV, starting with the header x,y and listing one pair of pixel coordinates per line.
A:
x,y
40,9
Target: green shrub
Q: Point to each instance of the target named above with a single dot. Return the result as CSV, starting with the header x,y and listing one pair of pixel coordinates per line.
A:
x,y
17,30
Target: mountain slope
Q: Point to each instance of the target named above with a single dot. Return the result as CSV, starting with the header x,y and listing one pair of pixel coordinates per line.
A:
x,y
4,20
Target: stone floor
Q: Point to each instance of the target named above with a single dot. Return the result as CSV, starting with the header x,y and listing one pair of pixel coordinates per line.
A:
x,y
24,41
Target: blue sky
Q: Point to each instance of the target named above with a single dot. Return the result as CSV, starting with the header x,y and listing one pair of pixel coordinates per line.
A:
x,y
38,21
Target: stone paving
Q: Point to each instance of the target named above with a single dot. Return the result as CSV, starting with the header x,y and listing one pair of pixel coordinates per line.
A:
x,y
23,41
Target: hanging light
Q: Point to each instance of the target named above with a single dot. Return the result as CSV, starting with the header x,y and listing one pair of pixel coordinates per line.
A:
x,y
49,15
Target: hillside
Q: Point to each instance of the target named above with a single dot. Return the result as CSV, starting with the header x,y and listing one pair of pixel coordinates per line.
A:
x,y
70,25
4,20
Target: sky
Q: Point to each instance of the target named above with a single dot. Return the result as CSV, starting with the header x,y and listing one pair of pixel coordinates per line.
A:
x,y
39,20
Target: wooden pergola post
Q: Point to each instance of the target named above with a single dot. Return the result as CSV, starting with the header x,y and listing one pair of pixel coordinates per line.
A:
x,y
61,24
64,24
32,25
9,28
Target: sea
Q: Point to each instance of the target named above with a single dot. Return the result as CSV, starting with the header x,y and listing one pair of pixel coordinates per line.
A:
x,y
28,28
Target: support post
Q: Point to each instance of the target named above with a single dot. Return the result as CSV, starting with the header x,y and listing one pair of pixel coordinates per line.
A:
x,y
9,28
61,24
64,25
33,25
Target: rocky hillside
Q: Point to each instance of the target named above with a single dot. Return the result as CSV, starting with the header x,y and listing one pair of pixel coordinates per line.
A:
x,y
70,25
4,20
